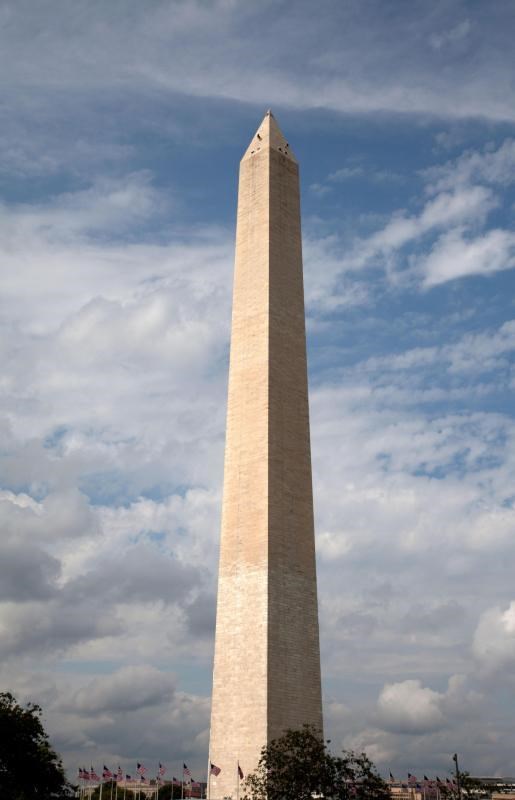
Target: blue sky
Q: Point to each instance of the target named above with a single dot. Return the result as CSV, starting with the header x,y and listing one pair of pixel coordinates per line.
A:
x,y
121,129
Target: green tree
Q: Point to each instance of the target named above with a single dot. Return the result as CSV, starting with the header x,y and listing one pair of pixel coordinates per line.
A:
x,y
299,765
29,767
169,792
108,790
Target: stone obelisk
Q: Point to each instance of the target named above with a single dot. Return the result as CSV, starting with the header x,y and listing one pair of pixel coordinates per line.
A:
x,y
267,658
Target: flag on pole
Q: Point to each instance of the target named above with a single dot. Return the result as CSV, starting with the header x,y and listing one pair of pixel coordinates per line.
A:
x,y
107,773
93,775
412,778
85,774
185,770
240,772
391,777
141,769
161,770
80,773
214,769
128,778
119,774
142,778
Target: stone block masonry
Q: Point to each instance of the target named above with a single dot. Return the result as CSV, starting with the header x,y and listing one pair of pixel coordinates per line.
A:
x,y
267,661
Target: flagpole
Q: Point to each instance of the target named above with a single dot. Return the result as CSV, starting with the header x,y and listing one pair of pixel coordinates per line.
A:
x,y
237,780
101,783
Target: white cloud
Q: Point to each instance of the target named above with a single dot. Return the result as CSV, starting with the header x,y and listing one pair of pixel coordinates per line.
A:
x,y
376,744
490,165
256,51
454,256
445,210
409,707
494,638
346,173
451,36
459,197
128,689
471,353
132,714
115,320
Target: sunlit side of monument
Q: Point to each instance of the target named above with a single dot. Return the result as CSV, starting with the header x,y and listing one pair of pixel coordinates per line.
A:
x,y
267,660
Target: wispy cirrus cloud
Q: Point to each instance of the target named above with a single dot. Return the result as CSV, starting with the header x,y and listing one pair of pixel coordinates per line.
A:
x,y
172,48
448,237
119,140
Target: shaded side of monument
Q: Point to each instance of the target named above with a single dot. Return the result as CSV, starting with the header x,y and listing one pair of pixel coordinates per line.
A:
x,y
267,659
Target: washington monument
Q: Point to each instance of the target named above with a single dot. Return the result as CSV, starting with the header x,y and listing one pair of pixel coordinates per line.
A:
x,y
267,657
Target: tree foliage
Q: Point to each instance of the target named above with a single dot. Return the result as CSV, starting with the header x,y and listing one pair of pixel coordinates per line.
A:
x,y
169,791
29,767
108,790
299,766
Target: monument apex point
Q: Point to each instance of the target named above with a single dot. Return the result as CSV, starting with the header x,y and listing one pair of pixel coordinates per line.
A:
x,y
269,137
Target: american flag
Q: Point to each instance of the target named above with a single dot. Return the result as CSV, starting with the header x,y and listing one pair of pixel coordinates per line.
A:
x,y
214,769
93,775
141,769
186,771
162,769
80,773
107,773
176,782
240,773
85,774
412,778
142,779
128,778
119,774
